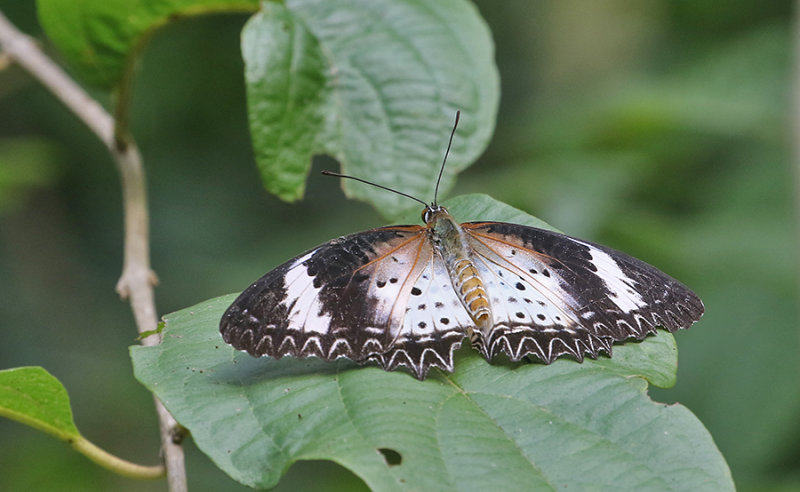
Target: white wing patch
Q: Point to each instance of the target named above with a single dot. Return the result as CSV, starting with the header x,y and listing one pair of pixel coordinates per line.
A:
x,y
302,299
621,288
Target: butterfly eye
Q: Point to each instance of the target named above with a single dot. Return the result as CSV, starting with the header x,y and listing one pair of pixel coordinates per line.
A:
x,y
426,214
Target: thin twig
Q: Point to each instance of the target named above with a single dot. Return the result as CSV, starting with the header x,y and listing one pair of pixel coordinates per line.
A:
x,y
137,279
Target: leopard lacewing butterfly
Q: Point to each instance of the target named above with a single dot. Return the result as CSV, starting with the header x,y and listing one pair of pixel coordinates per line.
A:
x,y
408,296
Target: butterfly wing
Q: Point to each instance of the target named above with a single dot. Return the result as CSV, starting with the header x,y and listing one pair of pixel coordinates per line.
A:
x,y
552,294
377,295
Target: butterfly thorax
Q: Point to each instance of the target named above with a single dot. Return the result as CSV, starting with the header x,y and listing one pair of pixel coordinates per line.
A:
x,y
450,242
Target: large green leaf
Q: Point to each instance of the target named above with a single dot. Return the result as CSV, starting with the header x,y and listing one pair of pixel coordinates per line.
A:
x,y
101,38
497,426
373,83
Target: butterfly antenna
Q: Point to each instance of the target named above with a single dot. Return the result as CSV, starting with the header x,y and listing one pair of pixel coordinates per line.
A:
x,y
331,173
436,192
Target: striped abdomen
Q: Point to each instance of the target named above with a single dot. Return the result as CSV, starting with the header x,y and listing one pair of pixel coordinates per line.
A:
x,y
469,287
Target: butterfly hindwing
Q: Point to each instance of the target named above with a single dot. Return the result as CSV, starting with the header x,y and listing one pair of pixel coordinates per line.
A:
x,y
434,322
531,311
373,295
553,294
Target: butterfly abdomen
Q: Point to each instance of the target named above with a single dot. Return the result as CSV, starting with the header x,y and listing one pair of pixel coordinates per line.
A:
x,y
472,292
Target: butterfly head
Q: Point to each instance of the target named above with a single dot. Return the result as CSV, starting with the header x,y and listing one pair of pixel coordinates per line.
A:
x,y
432,212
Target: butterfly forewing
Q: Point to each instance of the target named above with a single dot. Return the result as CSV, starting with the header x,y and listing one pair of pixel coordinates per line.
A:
x,y
374,295
552,294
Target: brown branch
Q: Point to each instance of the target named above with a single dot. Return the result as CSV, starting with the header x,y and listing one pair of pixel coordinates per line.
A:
x,y
137,279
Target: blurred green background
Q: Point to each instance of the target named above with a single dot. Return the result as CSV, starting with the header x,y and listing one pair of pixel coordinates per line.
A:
x,y
658,127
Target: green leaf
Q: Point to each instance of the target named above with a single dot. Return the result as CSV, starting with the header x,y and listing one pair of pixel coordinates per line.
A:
x,y
498,426
373,83
34,397
101,38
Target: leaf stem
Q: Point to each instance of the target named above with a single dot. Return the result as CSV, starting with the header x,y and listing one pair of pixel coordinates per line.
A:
x,y
137,279
115,464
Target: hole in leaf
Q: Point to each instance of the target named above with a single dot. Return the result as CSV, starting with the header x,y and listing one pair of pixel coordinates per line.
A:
x,y
392,457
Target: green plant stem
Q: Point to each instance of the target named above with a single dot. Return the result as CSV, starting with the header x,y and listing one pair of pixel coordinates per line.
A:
x,y
115,464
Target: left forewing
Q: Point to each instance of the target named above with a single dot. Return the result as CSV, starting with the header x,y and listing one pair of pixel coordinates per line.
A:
x,y
381,295
336,300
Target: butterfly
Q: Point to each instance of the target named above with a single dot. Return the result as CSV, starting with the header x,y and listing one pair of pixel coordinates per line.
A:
x,y
409,295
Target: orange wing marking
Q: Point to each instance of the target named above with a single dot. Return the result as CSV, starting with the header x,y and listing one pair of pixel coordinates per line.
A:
x,y
391,251
404,288
512,245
